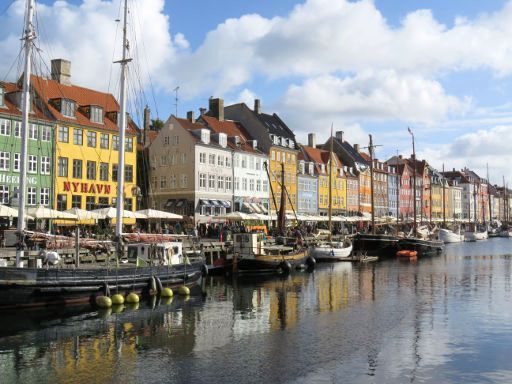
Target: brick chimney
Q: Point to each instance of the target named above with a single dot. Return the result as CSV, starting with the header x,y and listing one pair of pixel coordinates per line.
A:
x,y
356,147
190,116
147,122
61,71
339,136
216,107
257,106
312,140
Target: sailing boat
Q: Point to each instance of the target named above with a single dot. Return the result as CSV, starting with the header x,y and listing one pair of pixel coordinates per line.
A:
x,y
422,247
473,234
164,263
331,250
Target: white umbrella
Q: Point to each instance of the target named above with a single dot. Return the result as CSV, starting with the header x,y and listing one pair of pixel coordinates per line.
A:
x,y
235,216
82,214
155,214
47,213
111,213
6,211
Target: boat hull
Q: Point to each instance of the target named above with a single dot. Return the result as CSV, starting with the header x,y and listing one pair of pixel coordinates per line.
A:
x,y
33,287
330,252
447,236
376,245
476,236
422,247
273,263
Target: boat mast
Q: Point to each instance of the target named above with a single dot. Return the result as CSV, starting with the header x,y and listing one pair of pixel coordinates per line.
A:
x,y
370,149
489,194
430,195
122,131
444,199
330,188
504,200
397,190
28,37
415,232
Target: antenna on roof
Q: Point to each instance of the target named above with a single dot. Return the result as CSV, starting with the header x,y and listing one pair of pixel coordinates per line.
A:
x,y
176,99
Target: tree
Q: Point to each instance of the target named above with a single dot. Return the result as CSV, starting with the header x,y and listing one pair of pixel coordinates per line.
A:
x,y
156,124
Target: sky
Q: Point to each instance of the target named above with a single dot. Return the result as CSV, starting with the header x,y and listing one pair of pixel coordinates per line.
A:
x,y
442,68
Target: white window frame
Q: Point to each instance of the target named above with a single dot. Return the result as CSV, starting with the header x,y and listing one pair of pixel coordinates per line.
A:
x,y
5,127
46,133
32,164
31,196
5,161
44,196
45,165
33,131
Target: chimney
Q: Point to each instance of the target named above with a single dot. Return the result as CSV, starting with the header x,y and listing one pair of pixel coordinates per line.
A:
x,y
339,136
356,147
61,71
400,157
202,111
312,140
147,120
190,116
216,107
257,106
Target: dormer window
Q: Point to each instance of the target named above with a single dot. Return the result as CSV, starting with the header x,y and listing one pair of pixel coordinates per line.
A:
x,y
311,168
223,140
276,140
67,108
96,114
205,136
322,167
302,167
291,144
2,97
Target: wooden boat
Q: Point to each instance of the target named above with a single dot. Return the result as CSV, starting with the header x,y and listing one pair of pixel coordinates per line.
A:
x,y
449,236
332,251
251,254
383,246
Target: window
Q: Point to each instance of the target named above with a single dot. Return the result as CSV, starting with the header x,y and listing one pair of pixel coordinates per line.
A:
x,y
104,141
166,140
244,162
258,185
202,180
91,170
220,183
184,158
63,167
4,194
77,169
5,127
115,143
258,164
228,183
68,108
172,181
33,131
228,162
184,181
104,171
251,185
97,115
45,165
62,202
220,160
44,197
16,162
244,184
237,184
31,196
46,133
76,201
17,128
163,182
32,164
103,202
114,172
272,155
90,203
175,140
202,158
211,181
212,159
128,204
78,136
265,185
91,139
278,156
64,134
5,161
128,173
128,144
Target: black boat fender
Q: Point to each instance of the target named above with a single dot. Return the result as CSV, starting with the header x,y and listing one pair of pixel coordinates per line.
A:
x,y
204,270
285,266
311,262
106,289
152,285
159,285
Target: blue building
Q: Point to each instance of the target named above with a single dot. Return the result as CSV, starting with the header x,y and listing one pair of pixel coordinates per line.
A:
x,y
307,187
393,187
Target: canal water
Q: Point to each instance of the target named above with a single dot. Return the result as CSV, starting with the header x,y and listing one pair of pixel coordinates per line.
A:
x,y
446,319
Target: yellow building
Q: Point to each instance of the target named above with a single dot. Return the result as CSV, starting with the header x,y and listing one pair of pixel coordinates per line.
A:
x,y
86,144
339,181
287,157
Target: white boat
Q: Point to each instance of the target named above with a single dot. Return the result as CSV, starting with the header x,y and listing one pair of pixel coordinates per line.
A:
x,y
331,251
448,236
506,233
475,236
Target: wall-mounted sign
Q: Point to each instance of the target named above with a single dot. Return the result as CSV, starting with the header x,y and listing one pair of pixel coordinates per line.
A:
x,y
15,179
77,187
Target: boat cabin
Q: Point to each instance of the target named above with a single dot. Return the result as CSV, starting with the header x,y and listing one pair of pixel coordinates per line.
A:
x,y
249,245
165,253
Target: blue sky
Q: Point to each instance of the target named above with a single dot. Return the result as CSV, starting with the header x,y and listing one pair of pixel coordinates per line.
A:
x,y
442,67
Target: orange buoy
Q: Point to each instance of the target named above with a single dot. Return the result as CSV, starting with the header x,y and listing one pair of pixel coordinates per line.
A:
x,y
407,254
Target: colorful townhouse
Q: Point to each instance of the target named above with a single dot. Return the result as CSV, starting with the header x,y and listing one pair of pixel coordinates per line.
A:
x,y
307,186
350,156
40,150
393,191
435,194
352,191
276,140
86,143
250,179
327,165
405,200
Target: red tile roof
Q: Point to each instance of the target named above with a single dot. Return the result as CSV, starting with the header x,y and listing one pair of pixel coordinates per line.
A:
x,y
11,109
320,156
48,89
231,129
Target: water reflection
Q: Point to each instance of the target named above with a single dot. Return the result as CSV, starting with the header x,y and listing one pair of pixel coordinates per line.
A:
x,y
444,319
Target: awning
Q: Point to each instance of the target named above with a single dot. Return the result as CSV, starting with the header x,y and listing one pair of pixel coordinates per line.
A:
x,y
225,204
206,203
263,209
249,207
216,203
256,208
170,203
180,203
